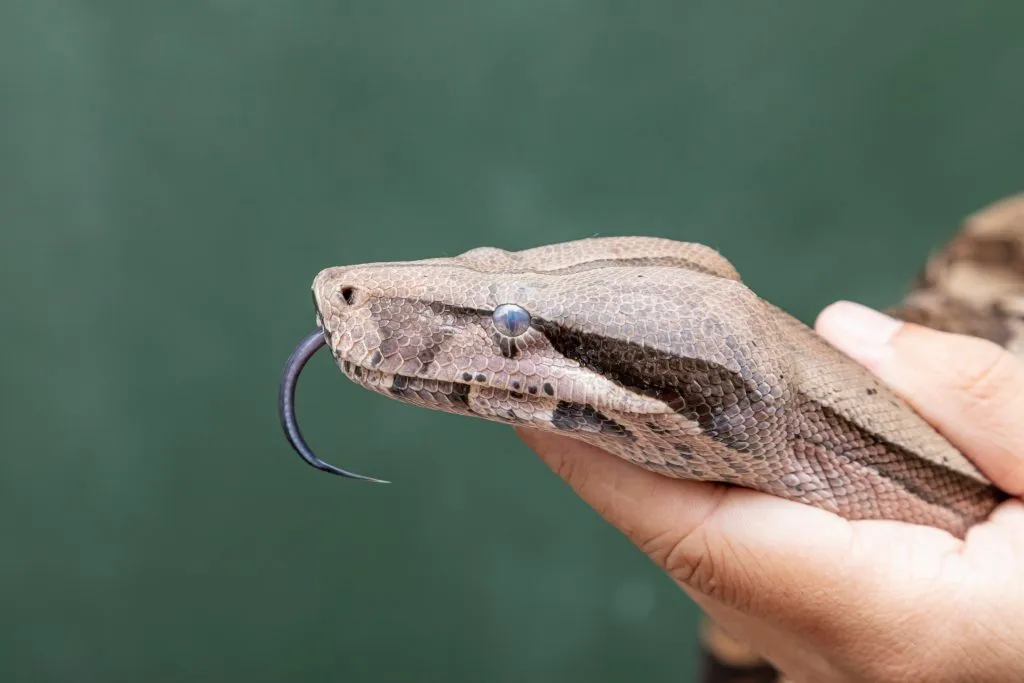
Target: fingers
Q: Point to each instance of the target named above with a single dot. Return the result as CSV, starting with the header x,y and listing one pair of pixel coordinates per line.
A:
x,y
749,550
788,578
640,503
971,389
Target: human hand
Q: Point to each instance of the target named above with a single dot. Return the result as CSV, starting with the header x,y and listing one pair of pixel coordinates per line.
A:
x,y
825,599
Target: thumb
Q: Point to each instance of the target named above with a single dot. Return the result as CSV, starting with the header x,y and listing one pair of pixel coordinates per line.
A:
x,y
971,389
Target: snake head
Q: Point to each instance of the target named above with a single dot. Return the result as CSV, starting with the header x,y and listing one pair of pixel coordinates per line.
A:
x,y
584,337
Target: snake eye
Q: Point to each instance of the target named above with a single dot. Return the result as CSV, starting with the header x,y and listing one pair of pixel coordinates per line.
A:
x,y
511,320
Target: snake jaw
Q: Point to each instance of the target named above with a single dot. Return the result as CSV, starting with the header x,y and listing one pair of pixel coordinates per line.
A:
x,y
286,406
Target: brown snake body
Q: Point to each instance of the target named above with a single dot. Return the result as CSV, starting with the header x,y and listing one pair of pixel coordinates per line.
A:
x,y
655,351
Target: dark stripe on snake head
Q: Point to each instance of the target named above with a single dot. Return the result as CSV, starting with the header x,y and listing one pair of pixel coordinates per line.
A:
x,y
459,315
574,417
732,408
410,340
742,411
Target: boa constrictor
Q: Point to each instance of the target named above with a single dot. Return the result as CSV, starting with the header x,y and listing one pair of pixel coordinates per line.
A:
x,y
655,351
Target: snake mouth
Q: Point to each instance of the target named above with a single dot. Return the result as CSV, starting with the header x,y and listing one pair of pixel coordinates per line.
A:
x,y
481,400
431,393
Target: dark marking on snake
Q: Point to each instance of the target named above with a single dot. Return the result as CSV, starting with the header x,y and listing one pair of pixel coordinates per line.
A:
x,y
508,346
685,451
426,355
722,402
655,428
460,394
462,314
922,478
577,417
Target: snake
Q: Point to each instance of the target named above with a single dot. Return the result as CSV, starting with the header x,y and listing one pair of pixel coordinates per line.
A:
x,y
655,351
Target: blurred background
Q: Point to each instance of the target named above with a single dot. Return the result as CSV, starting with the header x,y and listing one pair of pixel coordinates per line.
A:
x,y
173,175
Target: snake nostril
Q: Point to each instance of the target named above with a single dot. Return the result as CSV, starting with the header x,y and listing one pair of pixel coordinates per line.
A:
x,y
348,294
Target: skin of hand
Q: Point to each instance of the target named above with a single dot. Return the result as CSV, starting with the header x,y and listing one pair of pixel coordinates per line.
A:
x,y
825,599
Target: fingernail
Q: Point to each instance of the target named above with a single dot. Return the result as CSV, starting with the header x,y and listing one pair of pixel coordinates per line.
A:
x,y
858,331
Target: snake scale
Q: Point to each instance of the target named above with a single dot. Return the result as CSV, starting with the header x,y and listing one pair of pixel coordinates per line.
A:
x,y
656,351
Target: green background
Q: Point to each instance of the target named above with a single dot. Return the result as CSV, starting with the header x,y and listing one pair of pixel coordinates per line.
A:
x,y
173,175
